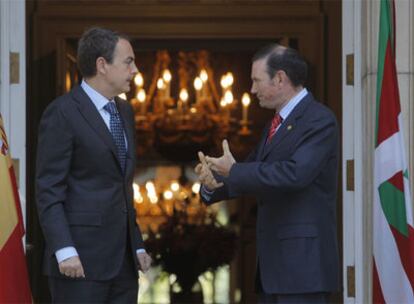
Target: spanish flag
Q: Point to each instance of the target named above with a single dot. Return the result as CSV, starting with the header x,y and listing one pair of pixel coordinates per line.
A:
x,y
14,283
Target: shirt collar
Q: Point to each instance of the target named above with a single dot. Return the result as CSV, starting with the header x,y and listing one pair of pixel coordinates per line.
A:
x,y
98,99
288,108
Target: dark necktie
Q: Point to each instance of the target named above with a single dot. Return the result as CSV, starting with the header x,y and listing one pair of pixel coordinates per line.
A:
x,y
117,131
277,120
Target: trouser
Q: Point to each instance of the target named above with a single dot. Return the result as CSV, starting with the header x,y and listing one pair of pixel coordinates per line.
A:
x,y
300,298
304,298
121,289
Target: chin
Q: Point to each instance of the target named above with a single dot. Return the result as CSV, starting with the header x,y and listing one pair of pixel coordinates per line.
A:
x,y
264,105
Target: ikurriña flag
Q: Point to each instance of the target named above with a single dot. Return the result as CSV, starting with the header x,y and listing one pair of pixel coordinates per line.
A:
x,y
393,234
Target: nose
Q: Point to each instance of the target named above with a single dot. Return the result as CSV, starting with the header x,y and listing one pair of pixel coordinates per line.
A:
x,y
253,89
134,69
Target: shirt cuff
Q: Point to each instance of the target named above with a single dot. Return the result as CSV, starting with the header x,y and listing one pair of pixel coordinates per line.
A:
x,y
141,250
205,193
65,253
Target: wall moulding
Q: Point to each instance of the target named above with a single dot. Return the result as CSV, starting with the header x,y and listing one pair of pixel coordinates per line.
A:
x,y
172,8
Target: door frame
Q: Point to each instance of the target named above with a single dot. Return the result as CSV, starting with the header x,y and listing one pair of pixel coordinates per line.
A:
x,y
355,165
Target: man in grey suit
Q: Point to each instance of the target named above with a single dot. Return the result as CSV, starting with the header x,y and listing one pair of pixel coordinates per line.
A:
x,y
85,170
293,174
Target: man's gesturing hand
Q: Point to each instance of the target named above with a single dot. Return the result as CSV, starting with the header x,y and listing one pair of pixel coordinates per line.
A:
x,y
72,268
223,164
205,175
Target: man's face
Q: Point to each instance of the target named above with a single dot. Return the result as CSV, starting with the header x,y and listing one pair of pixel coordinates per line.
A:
x,y
121,71
267,90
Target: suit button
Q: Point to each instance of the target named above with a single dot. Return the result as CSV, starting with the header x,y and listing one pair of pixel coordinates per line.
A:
x,y
124,210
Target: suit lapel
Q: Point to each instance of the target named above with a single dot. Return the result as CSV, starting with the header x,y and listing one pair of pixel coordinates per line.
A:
x,y
94,119
262,144
288,125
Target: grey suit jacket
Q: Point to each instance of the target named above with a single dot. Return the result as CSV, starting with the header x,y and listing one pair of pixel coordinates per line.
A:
x,y
83,197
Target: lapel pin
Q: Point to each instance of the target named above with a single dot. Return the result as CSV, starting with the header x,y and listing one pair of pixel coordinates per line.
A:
x,y
289,127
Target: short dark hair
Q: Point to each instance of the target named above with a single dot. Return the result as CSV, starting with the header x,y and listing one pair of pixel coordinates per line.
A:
x,y
286,59
96,42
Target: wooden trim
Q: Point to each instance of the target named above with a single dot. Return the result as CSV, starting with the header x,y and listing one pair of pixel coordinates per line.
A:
x,y
163,8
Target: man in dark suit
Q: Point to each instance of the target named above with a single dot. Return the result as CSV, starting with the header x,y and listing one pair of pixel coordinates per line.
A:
x,y
293,174
85,170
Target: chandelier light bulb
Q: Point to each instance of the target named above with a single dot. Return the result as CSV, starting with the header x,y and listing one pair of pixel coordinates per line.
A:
x,y
160,84
203,75
223,82
230,79
149,185
184,95
246,99
196,187
139,80
167,75
198,83
168,194
150,189
153,199
223,103
175,186
137,194
135,186
141,96
228,97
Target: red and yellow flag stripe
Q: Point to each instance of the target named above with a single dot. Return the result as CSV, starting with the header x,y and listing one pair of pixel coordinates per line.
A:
x,y
14,284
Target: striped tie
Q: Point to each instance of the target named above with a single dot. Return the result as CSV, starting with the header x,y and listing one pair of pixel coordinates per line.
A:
x,y
277,120
117,131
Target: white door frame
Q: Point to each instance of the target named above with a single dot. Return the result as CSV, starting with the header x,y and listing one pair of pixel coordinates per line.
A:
x,y
13,95
355,223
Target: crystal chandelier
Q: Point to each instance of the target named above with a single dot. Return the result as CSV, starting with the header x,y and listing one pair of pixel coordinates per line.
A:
x,y
161,191
197,116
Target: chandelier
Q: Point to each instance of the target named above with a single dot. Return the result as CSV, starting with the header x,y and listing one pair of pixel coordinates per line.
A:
x,y
161,191
196,116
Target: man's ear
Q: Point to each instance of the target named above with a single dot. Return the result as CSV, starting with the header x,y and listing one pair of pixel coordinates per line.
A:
x,y
280,78
101,65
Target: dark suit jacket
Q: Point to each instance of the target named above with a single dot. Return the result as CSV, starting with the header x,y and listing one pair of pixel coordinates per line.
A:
x,y
294,178
83,197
